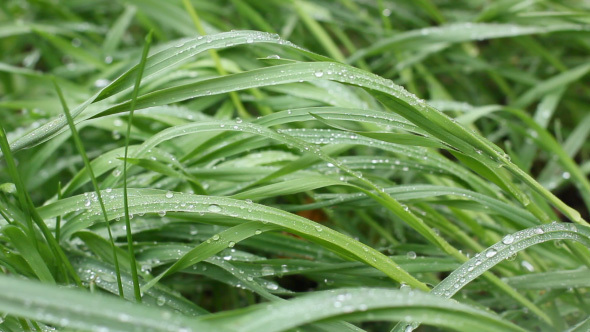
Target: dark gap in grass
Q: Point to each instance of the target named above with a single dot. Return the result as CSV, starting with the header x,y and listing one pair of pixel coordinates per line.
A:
x,y
297,283
572,197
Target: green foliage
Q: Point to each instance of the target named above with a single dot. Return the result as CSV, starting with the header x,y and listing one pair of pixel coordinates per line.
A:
x,y
294,165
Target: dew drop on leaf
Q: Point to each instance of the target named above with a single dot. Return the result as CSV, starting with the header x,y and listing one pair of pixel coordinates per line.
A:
x,y
508,239
214,208
491,253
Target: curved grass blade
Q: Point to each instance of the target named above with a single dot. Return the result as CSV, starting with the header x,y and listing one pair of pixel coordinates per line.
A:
x,y
358,304
456,33
508,246
167,201
84,311
32,215
166,59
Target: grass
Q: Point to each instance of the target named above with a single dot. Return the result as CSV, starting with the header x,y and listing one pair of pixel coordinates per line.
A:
x,y
252,165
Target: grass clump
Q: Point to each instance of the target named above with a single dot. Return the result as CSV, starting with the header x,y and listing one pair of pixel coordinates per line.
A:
x,y
294,165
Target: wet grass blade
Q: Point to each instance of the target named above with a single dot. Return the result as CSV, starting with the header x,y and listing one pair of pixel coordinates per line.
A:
x,y
132,262
82,152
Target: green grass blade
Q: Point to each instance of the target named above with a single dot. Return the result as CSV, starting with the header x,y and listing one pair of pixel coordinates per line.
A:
x,y
30,253
132,262
508,246
360,304
82,151
84,311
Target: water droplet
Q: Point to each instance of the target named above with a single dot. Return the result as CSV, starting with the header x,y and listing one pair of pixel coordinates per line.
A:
x,y
258,232
318,228
566,175
411,255
272,286
214,208
169,194
161,300
491,253
101,83
239,120
267,270
539,230
215,237
527,266
116,173
318,74
162,213
231,244
508,239
249,40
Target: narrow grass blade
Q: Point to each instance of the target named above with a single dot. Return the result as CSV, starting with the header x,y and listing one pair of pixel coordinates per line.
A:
x,y
29,252
456,33
508,246
133,264
32,215
82,151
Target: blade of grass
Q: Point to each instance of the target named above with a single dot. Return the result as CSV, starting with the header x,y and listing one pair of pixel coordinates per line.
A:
x,y
359,304
82,152
29,251
73,309
29,210
132,261
508,246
